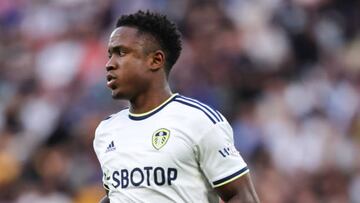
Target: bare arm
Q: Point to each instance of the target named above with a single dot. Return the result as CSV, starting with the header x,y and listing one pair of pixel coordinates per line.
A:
x,y
240,190
105,199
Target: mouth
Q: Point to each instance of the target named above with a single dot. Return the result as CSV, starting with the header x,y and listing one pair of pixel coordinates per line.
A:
x,y
110,81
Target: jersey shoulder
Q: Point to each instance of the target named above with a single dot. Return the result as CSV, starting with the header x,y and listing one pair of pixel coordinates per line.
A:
x,y
197,112
108,120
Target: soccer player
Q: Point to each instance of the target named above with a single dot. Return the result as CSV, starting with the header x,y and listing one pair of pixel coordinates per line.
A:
x,y
165,147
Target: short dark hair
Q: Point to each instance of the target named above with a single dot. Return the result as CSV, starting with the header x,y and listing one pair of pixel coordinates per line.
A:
x,y
161,28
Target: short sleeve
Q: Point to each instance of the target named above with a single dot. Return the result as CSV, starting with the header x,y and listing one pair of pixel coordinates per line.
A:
x,y
96,145
218,158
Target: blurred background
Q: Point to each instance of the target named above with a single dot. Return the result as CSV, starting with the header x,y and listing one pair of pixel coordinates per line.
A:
x,y
286,74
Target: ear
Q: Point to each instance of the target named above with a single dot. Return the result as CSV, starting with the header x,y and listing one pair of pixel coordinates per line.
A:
x,y
157,60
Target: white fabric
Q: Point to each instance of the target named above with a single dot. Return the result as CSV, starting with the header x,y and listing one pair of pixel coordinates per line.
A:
x,y
198,152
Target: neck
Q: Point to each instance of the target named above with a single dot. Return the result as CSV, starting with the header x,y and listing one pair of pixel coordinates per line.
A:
x,y
149,100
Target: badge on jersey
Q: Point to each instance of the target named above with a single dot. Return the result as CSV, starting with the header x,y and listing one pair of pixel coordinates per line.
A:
x,y
160,138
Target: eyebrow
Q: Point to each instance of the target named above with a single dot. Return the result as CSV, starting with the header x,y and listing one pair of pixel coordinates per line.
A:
x,y
115,49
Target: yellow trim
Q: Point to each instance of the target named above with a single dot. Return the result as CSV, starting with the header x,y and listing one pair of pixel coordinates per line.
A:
x,y
232,179
149,112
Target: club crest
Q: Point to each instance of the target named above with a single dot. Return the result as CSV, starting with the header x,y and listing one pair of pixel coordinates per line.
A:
x,y
160,138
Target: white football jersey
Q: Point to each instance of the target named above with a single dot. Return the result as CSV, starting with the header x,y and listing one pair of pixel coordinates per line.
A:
x,y
177,152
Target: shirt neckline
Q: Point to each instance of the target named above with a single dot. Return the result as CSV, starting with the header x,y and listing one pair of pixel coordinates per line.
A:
x,y
147,114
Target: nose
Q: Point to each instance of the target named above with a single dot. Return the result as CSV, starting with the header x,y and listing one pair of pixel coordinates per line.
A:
x,y
110,65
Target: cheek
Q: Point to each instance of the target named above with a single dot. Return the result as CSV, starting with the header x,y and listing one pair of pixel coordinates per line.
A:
x,y
132,72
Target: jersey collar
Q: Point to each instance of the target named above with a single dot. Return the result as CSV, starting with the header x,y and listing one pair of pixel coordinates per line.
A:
x,y
145,115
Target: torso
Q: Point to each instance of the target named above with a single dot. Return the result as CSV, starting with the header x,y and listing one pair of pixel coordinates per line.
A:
x,y
153,158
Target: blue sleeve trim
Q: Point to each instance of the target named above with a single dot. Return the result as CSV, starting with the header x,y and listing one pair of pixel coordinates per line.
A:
x,y
219,182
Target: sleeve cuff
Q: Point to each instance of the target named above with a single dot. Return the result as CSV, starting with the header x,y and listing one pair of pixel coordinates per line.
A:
x,y
106,187
231,177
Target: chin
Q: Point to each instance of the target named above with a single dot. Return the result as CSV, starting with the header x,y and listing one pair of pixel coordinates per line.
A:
x,y
117,95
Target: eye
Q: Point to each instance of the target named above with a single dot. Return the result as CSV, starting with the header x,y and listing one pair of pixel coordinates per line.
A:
x,y
118,51
121,52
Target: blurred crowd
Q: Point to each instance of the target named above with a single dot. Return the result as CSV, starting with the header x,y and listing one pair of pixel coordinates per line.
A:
x,y
286,74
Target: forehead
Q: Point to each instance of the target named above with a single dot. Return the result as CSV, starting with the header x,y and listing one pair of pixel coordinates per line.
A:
x,y
125,36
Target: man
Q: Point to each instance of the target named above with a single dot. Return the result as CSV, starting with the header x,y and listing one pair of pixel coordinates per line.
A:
x,y
165,147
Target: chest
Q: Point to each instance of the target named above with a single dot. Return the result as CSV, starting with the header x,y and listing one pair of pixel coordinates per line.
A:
x,y
141,144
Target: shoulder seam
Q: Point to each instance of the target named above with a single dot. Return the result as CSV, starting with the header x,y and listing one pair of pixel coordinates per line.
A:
x,y
214,112
213,119
107,118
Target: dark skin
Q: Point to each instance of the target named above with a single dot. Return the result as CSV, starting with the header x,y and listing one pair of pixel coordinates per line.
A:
x,y
139,76
239,190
